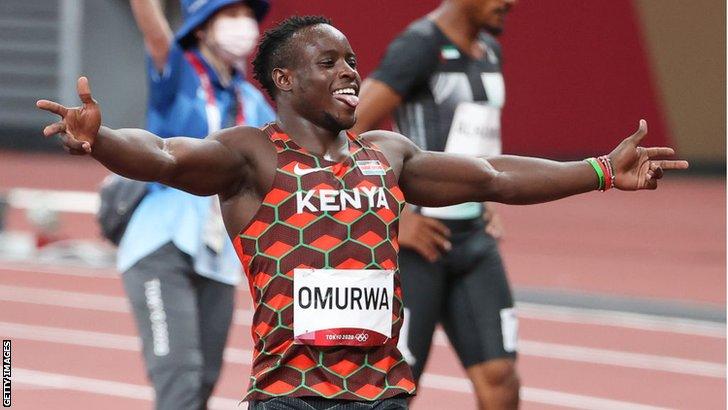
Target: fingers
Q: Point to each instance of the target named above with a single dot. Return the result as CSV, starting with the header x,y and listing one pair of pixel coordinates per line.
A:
x,y
659,151
52,107
672,164
441,241
655,171
493,231
639,135
73,144
430,253
437,233
74,151
436,226
54,128
84,90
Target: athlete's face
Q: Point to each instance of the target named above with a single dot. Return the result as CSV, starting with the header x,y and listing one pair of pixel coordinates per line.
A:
x,y
490,14
325,82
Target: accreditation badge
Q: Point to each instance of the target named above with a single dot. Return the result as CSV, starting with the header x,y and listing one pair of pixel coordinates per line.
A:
x,y
335,307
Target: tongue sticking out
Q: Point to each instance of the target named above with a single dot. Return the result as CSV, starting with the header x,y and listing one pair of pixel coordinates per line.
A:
x,y
351,100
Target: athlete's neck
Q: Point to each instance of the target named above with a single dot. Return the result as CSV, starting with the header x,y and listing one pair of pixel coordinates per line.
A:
x,y
222,69
453,21
317,140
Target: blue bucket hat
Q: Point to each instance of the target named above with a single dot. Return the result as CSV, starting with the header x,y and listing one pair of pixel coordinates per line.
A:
x,y
196,12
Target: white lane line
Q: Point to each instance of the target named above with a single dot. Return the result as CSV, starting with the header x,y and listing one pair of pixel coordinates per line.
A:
x,y
558,351
526,347
60,269
105,387
535,395
128,343
52,297
97,339
621,319
624,359
54,200
524,310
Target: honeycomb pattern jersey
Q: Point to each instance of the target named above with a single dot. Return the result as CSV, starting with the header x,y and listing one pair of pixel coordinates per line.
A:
x,y
284,235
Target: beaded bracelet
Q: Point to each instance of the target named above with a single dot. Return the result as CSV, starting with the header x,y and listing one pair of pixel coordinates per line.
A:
x,y
609,176
598,169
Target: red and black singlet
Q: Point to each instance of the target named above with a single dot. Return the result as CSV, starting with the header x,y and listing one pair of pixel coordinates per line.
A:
x,y
328,216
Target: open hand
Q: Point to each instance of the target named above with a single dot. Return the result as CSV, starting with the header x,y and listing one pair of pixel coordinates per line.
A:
x,y
78,125
635,167
427,236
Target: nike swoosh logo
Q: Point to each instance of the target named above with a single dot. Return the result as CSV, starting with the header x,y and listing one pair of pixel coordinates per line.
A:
x,y
301,171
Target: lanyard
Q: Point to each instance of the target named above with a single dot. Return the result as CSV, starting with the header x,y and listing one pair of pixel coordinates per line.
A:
x,y
214,117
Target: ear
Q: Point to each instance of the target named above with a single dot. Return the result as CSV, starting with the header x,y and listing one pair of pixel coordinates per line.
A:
x,y
282,78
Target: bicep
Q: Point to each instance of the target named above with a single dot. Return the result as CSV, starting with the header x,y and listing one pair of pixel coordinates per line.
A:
x,y
203,166
439,179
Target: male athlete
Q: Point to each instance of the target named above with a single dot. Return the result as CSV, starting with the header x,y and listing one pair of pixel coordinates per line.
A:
x,y
442,75
312,211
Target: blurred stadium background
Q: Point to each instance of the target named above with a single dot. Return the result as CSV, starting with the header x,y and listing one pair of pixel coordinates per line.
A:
x,y
621,296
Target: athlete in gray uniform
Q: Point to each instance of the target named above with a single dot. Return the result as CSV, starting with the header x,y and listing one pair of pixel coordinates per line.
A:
x,y
448,90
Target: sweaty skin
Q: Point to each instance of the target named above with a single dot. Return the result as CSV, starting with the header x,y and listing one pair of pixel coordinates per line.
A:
x,y
238,163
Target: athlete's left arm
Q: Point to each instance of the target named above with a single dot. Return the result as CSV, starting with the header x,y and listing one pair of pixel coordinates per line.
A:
x,y
438,179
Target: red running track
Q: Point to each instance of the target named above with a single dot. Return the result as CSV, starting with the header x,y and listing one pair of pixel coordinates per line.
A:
x,y
74,345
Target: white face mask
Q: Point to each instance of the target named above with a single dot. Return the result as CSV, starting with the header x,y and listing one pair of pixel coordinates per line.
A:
x,y
235,37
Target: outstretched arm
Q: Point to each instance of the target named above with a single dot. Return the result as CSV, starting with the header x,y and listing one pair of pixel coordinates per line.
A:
x,y
155,29
439,179
215,165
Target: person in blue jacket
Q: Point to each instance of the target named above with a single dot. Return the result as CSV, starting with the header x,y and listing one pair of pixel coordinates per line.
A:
x,y
179,267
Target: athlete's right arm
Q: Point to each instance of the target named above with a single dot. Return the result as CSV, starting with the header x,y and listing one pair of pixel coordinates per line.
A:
x,y
215,165
155,29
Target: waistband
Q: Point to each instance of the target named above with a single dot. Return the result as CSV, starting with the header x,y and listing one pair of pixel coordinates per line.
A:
x,y
460,225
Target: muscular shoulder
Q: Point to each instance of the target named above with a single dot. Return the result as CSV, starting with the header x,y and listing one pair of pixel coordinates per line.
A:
x,y
249,144
396,147
244,140
254,151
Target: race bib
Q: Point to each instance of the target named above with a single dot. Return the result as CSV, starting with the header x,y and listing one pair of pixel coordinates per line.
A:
x,y
334,307
475,130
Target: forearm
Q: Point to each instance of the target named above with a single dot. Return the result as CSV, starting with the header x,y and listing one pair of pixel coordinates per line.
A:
x,y
134,153
523,180
154,27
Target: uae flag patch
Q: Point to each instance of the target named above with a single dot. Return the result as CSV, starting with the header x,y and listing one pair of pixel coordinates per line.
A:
x,y
371,167
449,53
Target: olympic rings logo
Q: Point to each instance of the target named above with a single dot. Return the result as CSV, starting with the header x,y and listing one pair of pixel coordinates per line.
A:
x,y
361,337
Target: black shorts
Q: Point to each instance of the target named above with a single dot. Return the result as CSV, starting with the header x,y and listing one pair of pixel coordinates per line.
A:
x,y
467,291
316,403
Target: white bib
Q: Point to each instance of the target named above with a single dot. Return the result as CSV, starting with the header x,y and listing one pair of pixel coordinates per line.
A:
x,y
334,307
475,131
